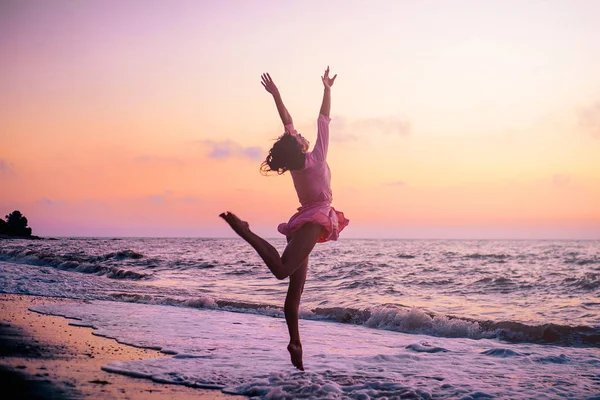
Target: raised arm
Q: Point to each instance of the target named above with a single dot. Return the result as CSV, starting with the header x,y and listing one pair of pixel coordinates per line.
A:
x,y
270,87
322,144
327,83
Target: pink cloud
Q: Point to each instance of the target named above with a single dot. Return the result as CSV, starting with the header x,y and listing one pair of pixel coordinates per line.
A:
x,y
229,149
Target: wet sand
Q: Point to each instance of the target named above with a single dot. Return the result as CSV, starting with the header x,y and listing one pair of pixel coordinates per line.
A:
x,y
43,357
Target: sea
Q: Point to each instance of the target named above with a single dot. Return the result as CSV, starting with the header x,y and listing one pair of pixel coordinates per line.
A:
x,y
422,319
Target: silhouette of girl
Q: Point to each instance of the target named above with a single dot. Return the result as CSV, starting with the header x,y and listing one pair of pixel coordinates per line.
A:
x,y
316,220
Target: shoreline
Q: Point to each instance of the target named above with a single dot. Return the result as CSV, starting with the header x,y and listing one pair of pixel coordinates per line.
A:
x,y
43,357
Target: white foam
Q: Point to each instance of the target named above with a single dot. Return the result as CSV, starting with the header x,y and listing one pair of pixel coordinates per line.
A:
x,y
246,354
417,321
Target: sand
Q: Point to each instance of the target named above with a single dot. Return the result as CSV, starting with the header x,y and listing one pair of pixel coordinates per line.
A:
x,y
43,357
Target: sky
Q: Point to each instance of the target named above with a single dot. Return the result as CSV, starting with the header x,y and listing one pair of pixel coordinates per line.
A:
x,y
450,119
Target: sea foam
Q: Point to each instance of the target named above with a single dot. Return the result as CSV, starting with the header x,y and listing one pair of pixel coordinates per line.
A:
x,y
245,354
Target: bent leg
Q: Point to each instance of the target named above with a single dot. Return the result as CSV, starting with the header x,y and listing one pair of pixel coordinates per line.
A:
x,y
297,250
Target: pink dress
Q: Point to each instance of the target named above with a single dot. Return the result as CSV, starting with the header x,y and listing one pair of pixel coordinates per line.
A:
x,y
313,186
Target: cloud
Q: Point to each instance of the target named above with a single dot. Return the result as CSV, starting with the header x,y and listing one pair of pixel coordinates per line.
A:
x,y
589,119
159,160
253,153
345,130
561,179
7,169
229,149
51,202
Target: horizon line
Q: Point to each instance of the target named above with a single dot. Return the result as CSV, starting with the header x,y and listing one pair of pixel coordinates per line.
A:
x,y
280,237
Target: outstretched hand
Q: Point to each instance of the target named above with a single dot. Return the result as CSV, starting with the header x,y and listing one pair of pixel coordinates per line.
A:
x,y
327,81
268,83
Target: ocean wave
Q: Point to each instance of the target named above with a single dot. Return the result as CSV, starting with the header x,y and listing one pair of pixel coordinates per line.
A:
x,y
499,281
401,319
434,282
341,314
589,281
415,320
360,284
205,265
562,335
561,359
478,256
204,302
503,353
121,255
198,302
582,261
407,256
77,262
426,347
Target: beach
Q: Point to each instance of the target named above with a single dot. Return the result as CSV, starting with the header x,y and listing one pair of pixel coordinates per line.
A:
x,y
43,357
196,317
177,181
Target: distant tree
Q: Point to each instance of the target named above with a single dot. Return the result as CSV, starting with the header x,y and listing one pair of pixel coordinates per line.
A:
x,y
3,227
17,224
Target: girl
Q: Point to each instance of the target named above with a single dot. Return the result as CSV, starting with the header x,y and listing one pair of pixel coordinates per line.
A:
x,y
316,221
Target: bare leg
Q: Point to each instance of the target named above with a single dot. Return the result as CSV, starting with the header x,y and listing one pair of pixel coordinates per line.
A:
x,y
293,263
296,251
292,304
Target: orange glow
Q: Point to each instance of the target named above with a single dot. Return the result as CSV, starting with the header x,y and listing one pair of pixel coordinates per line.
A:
x,y
478,120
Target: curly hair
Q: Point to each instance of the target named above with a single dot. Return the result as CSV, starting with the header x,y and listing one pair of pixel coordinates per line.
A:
x,y
285,155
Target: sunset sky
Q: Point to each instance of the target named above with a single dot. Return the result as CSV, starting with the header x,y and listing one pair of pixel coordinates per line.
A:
x,y
450,119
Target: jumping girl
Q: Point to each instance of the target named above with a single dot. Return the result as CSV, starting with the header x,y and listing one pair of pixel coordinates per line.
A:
x,y
315,222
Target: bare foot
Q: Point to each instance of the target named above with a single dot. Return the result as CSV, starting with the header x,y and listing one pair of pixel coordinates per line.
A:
x,y
240,227
295,350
